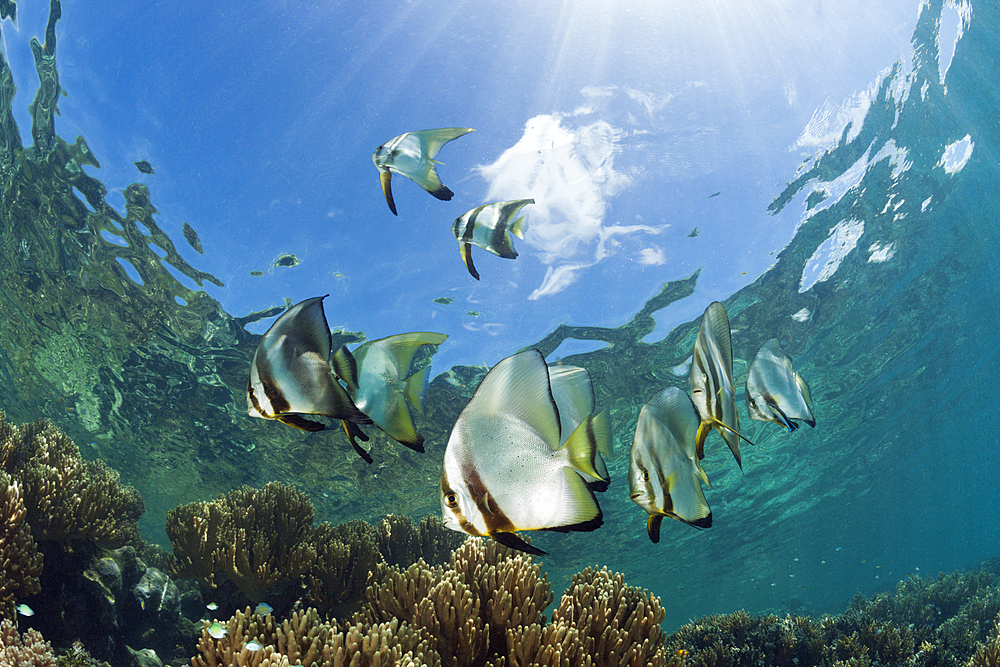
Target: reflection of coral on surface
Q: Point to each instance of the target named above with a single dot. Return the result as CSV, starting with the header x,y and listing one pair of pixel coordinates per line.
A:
x,y
65,497
27,649
20,562
484,608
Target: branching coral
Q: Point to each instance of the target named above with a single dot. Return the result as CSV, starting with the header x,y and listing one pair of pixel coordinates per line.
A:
x,y
988,653
27,649
65,497
259,539
347,562
618,624
305,640
483,609
20,562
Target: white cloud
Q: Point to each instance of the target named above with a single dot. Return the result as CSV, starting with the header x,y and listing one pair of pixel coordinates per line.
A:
x,y
956,154
569,171
652,256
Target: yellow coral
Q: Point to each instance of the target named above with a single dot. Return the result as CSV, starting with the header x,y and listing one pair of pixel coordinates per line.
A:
x,y
65,497
20,562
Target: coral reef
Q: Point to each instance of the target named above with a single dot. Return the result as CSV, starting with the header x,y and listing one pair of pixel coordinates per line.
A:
x,y
261,540
27,649
988,653
66,498
484,608
20,562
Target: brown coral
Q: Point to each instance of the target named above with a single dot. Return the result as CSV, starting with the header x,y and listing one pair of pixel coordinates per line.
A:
x,y
618,624
483,609
65,497
304,639
27,649
260,539
988,653
20,562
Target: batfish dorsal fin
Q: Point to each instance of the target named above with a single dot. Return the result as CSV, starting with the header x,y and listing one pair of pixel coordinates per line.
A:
x,y
718,325
519,386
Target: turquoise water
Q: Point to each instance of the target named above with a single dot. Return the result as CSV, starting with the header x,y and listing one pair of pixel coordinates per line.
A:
x,y
885,298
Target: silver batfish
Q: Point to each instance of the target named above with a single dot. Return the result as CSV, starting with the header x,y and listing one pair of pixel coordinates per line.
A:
x,y
290,375
775,392
489,226
412,155
664,473
504,467
712,388
378,378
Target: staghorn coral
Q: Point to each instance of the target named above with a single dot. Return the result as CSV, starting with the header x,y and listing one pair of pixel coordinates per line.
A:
x,y
347,562
260,540
466,608
20,562
618,624
402,543
27,649
988,653
305,640
65,497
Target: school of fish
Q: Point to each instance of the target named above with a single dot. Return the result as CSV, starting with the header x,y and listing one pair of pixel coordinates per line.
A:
x,y
528,450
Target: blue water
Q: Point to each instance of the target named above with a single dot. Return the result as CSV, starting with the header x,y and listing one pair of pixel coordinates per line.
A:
x,y
897,342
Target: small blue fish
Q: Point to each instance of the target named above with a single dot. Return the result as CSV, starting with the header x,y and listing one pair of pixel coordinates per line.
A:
x,y
25,610
263,609
217,631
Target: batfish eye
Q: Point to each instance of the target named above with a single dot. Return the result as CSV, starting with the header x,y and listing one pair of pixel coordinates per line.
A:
x,y
450,499
645,475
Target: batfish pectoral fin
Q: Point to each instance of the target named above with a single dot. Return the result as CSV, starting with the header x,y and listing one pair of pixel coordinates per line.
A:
x,y
300,422
466,251
653,527
782,417
513,541
385,177
345,366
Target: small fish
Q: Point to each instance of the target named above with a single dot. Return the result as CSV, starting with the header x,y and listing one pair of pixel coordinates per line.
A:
x,y
489,226
253,645
378,379
211,606
24,610
290,375
412,155
506,465
775,392
711,379
664,472
263,609
217,630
